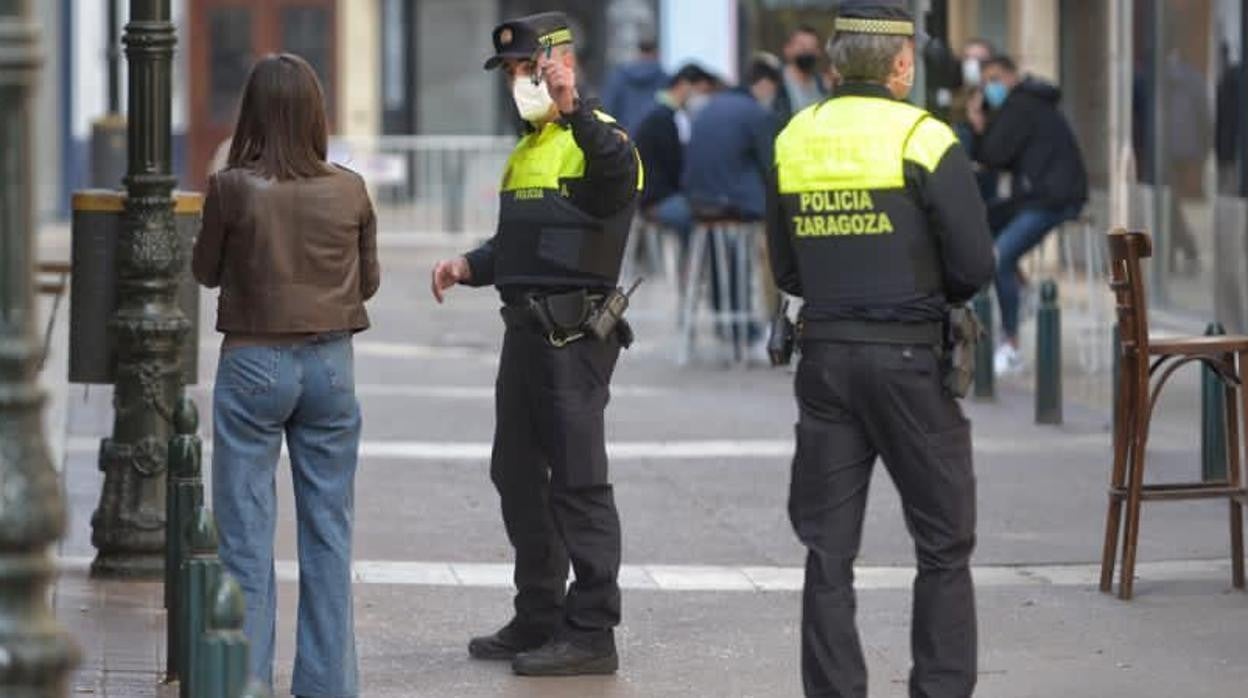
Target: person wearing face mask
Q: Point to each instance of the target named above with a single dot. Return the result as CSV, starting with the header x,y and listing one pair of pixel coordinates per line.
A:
x,y
567,200
661,139
1019,129
974,53
803,85
875,222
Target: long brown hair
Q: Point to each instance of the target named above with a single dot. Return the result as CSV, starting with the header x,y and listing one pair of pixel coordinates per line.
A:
x,y
282,128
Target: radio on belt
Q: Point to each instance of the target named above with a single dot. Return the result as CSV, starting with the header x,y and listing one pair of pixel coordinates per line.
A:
x,y
603,319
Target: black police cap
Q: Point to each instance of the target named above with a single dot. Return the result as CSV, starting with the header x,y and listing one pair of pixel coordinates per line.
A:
x,y
887,17
524,37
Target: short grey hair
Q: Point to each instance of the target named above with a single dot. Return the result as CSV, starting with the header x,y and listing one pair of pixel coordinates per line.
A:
x,y
864,57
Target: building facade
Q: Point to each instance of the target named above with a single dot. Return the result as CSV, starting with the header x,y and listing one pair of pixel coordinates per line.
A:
x,y
1154,89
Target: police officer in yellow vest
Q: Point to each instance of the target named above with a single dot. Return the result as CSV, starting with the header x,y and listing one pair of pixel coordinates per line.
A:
x,y
568,197
876,222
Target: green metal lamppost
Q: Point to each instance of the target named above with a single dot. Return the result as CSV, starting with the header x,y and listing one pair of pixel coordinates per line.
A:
x,y
35,653
128,527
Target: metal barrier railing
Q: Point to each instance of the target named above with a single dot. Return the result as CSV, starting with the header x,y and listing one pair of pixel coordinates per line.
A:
x,y
207,651
430,184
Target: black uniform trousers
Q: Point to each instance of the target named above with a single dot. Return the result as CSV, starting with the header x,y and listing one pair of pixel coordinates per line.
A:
x,y
550,467
857,402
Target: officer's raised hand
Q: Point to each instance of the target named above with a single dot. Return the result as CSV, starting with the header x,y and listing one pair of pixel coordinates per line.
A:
x,y
560,78
447,273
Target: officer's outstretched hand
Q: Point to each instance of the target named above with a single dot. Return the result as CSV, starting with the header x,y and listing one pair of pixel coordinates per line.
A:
x,y
447,273
560,82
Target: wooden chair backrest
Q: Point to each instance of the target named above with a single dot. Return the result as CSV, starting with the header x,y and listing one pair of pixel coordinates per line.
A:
x,y
1126,280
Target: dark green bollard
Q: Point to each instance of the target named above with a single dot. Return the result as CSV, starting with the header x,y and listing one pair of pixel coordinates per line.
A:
x,y
985,388
223,646
1048,356
1213,394
199,575
185,496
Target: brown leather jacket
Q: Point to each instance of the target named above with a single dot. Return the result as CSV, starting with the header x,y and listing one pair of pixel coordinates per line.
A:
x,y
297,256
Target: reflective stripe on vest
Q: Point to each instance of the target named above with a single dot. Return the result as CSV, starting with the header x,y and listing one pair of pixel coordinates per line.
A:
x,y
858,143
544,158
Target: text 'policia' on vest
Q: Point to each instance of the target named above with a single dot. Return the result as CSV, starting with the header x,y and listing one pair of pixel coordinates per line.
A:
x,y
857,215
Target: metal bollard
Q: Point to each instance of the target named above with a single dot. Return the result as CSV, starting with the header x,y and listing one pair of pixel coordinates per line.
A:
x,y
985,388
199,575
1213,392
1048,356
223,646
184,496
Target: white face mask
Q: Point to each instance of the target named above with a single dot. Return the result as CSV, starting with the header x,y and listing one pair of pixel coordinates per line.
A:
x,y
694,104
970,72
532,101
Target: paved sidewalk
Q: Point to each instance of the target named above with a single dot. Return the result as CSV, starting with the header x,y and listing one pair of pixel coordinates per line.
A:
x,y
701,468
120,628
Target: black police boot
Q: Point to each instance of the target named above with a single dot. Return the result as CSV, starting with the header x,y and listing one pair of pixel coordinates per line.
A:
x,y
570,656
512,639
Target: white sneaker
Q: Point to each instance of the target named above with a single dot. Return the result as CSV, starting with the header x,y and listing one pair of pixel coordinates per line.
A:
x,y
1007,361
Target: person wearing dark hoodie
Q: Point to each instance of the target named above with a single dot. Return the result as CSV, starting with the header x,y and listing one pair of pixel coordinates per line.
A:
x,y
1019,129
661,137
632,89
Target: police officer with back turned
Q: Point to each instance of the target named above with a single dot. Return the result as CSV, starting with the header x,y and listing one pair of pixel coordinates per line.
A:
x,y
875,220
567,200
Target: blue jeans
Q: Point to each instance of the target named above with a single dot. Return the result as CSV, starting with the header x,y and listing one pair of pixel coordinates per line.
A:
x,y
305,392
1025,230
674,212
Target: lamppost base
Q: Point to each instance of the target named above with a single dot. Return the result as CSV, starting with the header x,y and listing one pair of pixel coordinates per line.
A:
x,y
137,566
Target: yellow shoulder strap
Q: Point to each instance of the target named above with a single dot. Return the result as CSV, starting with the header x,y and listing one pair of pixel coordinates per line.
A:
x,y
929,142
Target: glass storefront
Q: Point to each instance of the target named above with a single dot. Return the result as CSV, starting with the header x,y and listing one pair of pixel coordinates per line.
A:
x,y
1186,102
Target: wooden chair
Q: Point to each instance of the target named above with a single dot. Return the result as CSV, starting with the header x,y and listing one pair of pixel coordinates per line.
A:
x,y
1145,366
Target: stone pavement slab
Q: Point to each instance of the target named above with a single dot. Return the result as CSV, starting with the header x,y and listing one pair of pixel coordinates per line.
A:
x,y
120,628
1185,639
430,539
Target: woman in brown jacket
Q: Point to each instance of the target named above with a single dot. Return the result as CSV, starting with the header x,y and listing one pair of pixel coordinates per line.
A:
x,y
291,241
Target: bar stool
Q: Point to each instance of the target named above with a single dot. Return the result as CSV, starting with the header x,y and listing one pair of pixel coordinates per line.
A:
x,y
1141,379
658,243
728,245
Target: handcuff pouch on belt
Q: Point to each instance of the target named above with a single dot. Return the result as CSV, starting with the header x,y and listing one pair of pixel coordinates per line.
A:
x,y
561,315
962,334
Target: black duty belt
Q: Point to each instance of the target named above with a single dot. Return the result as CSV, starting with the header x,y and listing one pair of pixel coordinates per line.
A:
x,y
863,332
559,317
